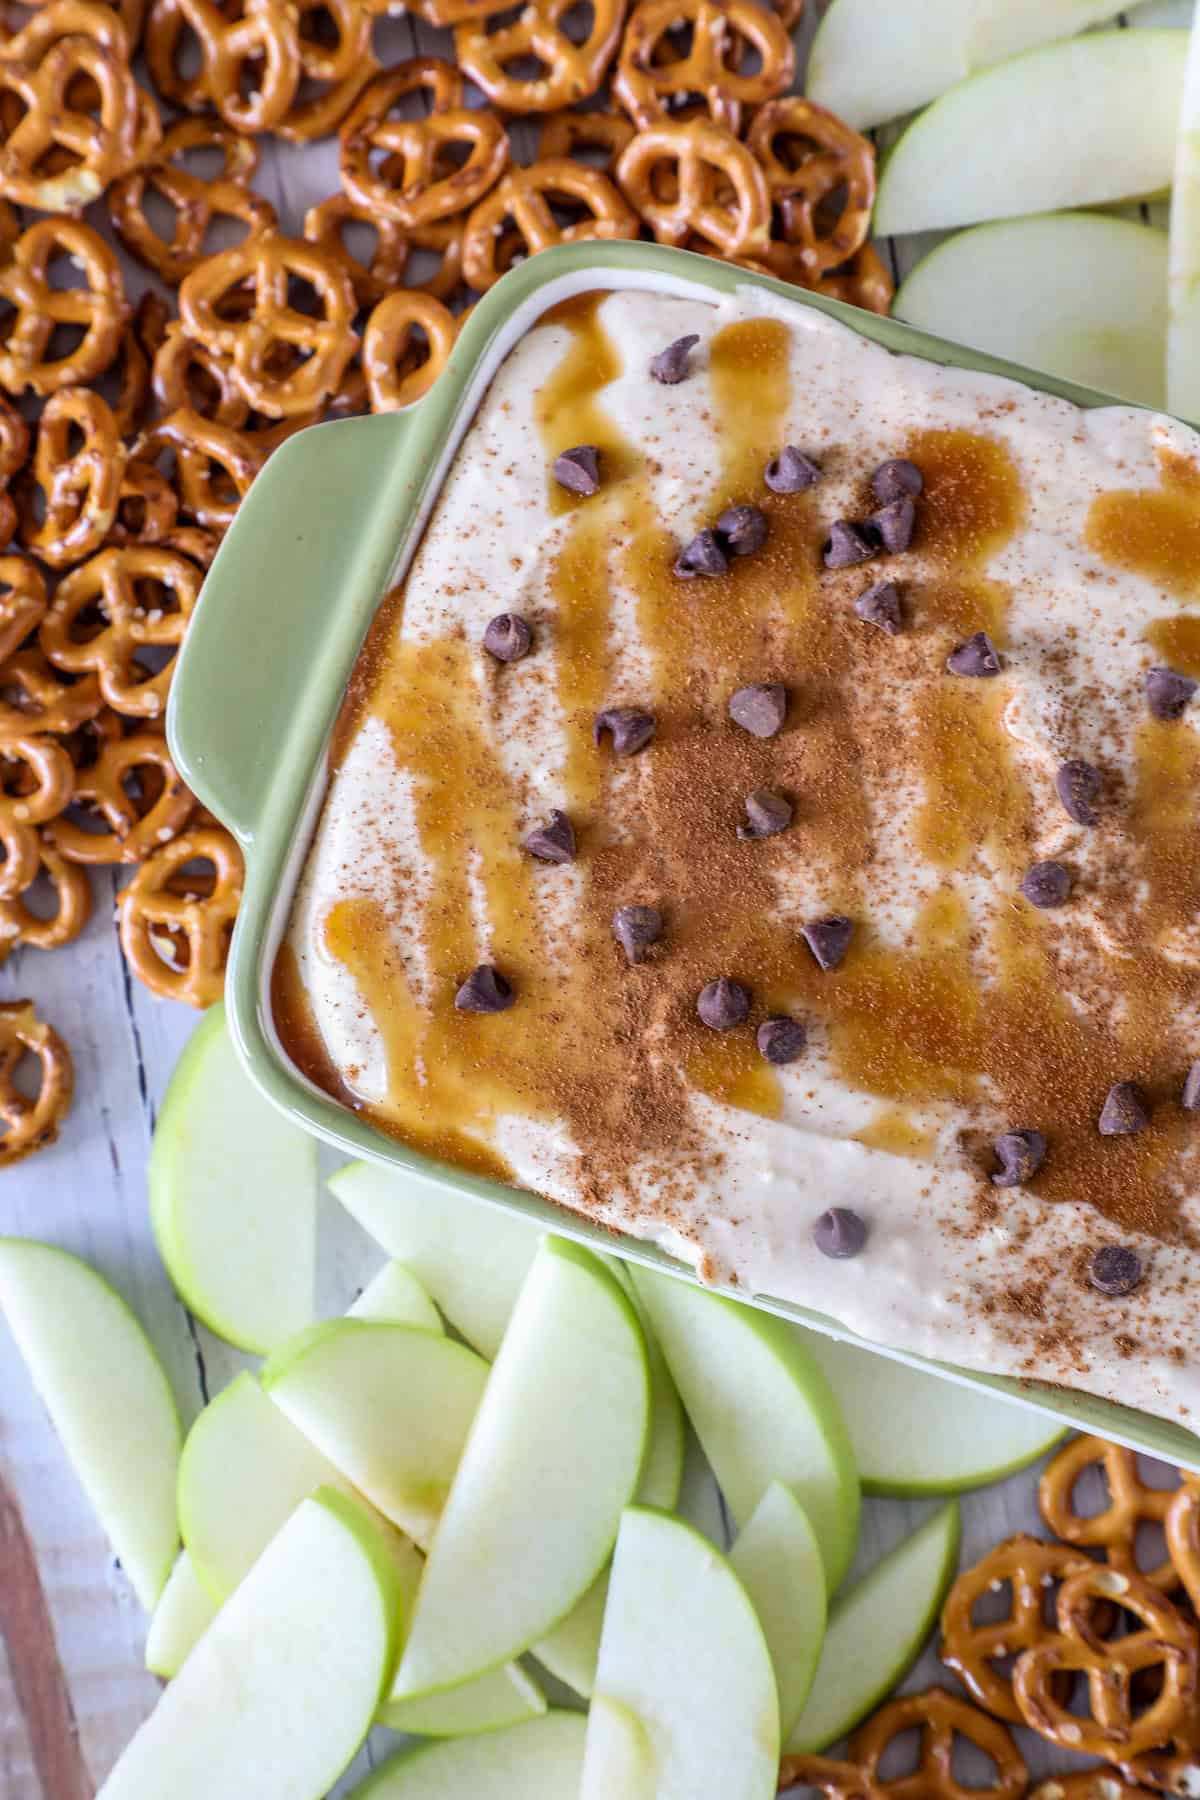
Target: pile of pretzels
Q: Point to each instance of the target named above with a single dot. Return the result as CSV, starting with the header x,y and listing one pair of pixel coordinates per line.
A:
x,y
129,434
1087,1642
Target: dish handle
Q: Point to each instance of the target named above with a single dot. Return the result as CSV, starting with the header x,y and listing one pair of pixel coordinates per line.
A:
x,y
316,533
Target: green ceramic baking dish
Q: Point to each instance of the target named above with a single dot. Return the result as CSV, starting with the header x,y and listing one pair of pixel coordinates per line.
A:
x,y
327,529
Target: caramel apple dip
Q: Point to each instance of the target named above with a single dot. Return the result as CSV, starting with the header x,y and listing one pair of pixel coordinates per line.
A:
x,y
764,821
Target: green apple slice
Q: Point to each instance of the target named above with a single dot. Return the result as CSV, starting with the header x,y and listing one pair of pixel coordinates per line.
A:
x,y
471,1257
539,1760
684,1651
184,1613
761,1407
887,1407
876,1632
1183,328
281,1690
389,1405
1097,122
553,1456
1097,313
396,1297
233,1196
618,1760
107,1396
244,1470
778,1561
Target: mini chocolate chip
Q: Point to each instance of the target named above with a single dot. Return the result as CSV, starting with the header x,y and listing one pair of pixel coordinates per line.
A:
x,y
636,928
703,556
828,939
742,530
759,708
1078,787
978,656
578,469
848,544
781,1040
880,605
507,637
1190,1097
1046,884
767,813
791,471
1168,692
723,1004
1124,1111
1115,1270
1021,1155
840,1232
553,842
484,991
631,729
896,479
895,524
673,364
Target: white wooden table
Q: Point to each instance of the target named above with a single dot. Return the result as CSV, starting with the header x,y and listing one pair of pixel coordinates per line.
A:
x,y
72,1683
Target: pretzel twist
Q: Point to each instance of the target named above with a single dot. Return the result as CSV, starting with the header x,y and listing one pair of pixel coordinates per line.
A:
x,y
20,924
398,367
81,489
652,75
569,70
825,171
34,697
98,308
30,1125
137,822
417,184
940,1718
144,596
694,180
1131,1504
175,926
195,203
516,218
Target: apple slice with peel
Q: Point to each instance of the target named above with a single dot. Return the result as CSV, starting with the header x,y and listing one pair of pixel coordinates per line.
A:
x,y
876,1631
761,1407
1097,313
887,1408
396,1297
1098,116
539,1760
684,1652
778,1561
471,1257
108,1398
552,1458
619,1758
389,1405
233,1197
286,1681
184,1613
1183,327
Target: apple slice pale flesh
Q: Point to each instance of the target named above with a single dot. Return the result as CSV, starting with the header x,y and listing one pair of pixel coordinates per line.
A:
x,y
876,1631
1183,308
618,1761
233,1197
1096,314
469,1256
684,1652
282,1688
1072,124
917,52
396,1297
887,1408
552,1458
539,1760
184,1613
761,1407
108,1398
777,1559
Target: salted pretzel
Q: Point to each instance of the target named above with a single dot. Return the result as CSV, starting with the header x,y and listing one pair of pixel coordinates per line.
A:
x,y
14,448
195,203
250,66
175,925
523,201
36,782
569,70
31,1124
143,595
285,361
98,308
826,172
20,923
1165,1643
864,281
1029,1568
325,225
693,179
1131,1504
940,1718
406,342
80,486
22,602
35,697
214,464
578,133
332,75
836,1780
134,788
417,182
652,80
